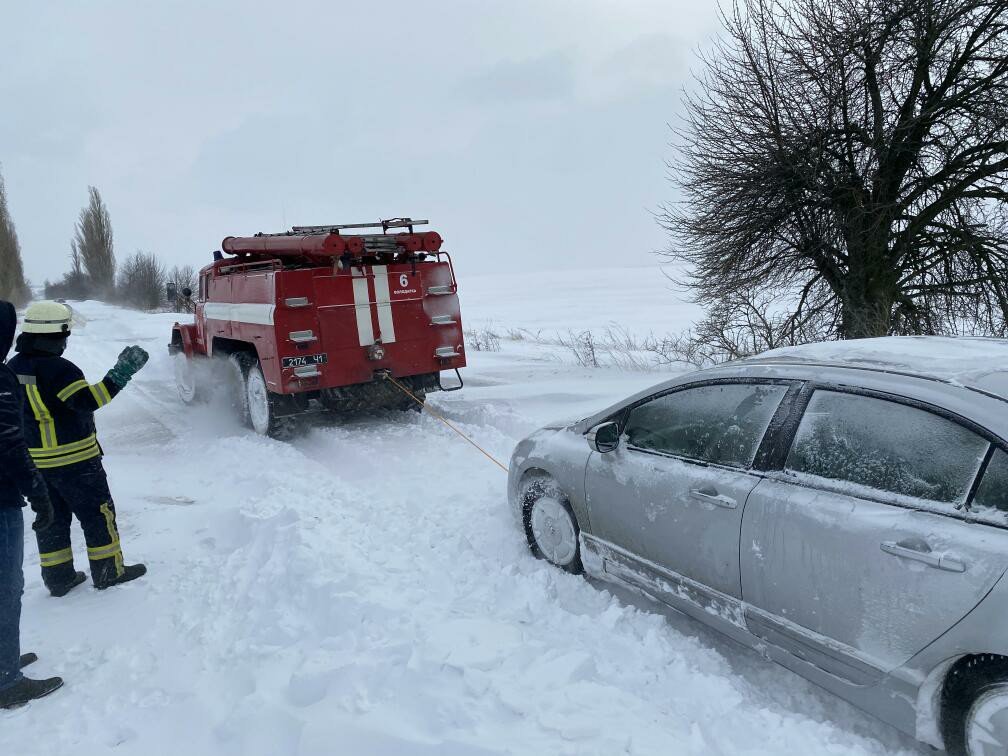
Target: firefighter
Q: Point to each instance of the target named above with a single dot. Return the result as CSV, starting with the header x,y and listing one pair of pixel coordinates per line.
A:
x,y
59,426
19,480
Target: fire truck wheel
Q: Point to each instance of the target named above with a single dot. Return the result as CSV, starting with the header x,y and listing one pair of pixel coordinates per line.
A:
x,y
408,405
191,389
258,403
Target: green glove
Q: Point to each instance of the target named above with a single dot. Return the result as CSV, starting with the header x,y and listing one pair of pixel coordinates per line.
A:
x,y
131,359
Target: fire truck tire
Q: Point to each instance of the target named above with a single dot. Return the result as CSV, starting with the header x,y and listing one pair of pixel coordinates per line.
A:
x,y
408,405
192,386
258,405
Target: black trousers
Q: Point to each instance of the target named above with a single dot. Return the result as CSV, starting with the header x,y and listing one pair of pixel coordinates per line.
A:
x,y
80,490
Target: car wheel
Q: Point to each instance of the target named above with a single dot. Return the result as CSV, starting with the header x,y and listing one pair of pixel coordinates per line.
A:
x,y
550,525
975,707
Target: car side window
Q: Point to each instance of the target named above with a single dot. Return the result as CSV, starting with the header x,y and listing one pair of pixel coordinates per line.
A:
x,y
719,423
886,446
991,500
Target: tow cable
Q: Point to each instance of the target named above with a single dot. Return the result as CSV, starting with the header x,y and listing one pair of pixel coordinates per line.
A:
x,y
424,406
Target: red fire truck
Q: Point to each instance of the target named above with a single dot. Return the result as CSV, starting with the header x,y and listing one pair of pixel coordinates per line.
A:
x,y
320,317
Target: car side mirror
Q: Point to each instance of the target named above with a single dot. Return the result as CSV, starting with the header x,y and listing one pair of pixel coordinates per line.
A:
x,y
187,292
604,438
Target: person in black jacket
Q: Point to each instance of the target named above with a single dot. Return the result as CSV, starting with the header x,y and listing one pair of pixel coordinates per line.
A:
x,y
19,480
59,427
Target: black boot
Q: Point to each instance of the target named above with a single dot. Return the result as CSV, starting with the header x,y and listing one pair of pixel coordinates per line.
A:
x,y
130,572
64,588
27,659
26,689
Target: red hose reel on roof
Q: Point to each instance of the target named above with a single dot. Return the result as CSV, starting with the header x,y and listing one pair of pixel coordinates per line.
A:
x,y
327,245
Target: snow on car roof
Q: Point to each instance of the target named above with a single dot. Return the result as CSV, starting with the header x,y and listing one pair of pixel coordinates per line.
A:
x,y
976,362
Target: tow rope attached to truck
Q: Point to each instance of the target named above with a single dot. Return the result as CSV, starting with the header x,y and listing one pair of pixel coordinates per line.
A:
x,y
424,406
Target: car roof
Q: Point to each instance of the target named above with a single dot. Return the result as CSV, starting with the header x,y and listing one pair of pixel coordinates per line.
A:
x,y
968,376
979,363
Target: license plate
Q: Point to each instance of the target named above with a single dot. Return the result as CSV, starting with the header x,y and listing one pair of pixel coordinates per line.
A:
x,y
303,360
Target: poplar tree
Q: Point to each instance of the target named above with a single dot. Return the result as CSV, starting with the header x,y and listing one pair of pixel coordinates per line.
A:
x,y
13,286
92,245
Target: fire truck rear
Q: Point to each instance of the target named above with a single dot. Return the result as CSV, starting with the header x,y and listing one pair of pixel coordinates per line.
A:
x,y
320,317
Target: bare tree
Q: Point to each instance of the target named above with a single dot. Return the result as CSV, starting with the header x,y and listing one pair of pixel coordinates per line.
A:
x,y
851,155
13,286
142,281
92,245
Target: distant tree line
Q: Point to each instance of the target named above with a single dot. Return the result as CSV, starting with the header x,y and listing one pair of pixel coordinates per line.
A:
x,y
140,281
843,172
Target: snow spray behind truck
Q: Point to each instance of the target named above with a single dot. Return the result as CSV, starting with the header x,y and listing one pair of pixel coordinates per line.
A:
x,y
318,318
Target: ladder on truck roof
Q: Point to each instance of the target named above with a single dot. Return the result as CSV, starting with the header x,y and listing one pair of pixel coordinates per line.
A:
x,y
384,225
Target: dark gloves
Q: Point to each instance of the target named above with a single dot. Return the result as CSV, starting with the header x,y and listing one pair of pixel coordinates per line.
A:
x,y
43,510
131,359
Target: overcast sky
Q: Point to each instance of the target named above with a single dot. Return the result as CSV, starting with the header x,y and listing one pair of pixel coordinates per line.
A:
x,y
530,133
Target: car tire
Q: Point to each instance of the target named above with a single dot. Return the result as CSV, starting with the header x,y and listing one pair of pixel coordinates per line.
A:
x,y
551,526
974,707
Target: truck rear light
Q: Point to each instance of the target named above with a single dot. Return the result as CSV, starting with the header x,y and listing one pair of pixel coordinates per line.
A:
x,y
445,353
297,301
442,320
302,337
438,291
307,371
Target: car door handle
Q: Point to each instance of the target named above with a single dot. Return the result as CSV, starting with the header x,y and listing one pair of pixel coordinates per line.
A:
x,y
710,495
938,560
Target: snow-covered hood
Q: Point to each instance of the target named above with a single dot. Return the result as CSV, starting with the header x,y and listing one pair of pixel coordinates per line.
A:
x,y
563,423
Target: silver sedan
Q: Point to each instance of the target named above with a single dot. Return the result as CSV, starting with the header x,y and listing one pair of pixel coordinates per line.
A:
x,y
847,517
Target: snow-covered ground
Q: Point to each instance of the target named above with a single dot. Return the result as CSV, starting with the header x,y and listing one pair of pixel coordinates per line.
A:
x,y
365,590
641,301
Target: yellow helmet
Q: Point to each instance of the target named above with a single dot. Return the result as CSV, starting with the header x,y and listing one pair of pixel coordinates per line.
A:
x,y
47,317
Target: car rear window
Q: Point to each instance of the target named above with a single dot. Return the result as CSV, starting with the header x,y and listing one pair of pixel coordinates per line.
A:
x,y
991,501
720,423
886,446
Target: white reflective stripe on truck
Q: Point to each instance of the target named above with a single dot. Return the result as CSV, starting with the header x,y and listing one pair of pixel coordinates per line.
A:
x,y
362,307
386,326
254,314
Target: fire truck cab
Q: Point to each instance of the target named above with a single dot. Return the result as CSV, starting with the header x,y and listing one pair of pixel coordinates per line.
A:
x,y
319,317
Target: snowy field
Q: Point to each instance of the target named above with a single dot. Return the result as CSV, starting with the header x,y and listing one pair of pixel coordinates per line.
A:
x,y
641,301
365,590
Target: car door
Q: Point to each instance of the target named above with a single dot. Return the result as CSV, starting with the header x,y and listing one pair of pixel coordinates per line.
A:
x,y
860,552
672,494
